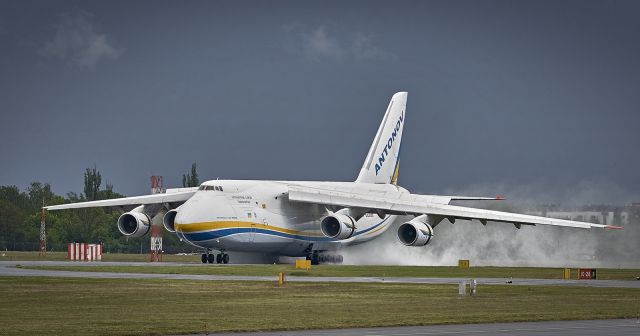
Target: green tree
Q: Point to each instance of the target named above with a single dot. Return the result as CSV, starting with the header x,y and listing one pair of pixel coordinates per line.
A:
x,y
92,181
191,179
20,218
39,193
11,222
108,193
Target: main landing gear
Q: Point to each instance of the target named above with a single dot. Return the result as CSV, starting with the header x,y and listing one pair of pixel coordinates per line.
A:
x,y
220,258
318,258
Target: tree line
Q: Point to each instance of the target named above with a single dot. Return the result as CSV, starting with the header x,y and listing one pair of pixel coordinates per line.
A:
x,y
21,210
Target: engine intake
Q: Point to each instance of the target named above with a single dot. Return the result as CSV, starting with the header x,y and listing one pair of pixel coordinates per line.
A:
x,y
338,226
416,232
169,220
134,223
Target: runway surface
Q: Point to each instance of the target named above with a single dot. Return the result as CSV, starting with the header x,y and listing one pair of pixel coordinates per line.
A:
x,y
552,328
7,268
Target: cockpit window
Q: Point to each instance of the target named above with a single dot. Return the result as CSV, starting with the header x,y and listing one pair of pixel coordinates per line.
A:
x,y
217,188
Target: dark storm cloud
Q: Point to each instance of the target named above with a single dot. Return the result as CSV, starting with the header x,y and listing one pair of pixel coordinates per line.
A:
x,y
319,43
501,93
76,41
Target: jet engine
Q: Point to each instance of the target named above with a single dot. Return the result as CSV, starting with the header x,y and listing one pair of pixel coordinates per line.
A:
x,y
338,226
169,219
134,223
416,232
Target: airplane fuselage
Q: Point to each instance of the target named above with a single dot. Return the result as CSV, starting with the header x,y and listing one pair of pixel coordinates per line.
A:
x,y
310,219
257,216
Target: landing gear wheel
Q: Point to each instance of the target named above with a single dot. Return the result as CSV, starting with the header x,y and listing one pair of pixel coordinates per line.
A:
x,y
314,259
204,258
225,258
219,258
340,259
211,258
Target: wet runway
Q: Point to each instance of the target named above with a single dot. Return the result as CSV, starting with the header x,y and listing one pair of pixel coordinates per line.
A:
x,y
7,268
552,328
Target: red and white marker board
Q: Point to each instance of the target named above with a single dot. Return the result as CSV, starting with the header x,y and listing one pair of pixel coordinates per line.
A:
x,y
84,252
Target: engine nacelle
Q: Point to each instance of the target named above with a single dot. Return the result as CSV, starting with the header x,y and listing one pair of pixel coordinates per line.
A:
x,y
134,223
338,226
169,219
416,232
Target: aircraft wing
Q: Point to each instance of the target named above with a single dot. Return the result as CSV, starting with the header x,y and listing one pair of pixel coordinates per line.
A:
x,y
169,197
413,204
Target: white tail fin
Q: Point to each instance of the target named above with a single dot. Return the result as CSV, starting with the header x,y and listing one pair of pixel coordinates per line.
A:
x,y
382,162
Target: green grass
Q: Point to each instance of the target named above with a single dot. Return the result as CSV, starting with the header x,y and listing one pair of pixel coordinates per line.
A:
x,y
58,306
60,256
361,271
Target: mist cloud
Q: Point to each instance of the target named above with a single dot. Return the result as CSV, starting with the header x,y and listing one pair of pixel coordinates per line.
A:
x,y
501,244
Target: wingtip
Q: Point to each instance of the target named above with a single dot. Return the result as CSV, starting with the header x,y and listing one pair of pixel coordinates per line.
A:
x,y
613,227
500,198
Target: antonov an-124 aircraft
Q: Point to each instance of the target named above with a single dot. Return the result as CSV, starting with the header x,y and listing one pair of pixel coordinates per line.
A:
x,y
308,219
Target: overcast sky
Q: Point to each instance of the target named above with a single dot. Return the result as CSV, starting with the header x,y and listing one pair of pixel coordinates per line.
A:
x,y
515,93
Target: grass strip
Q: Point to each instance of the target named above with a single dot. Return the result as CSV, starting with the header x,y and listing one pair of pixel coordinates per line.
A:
x,y
142,307
350,270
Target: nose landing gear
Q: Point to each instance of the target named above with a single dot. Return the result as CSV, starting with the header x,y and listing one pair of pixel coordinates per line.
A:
x,y
220,258
208,258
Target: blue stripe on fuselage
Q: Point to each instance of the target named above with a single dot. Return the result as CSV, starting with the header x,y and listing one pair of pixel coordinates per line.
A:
x,y
216,234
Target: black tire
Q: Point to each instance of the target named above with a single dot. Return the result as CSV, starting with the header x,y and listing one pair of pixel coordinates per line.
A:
x,y
340,259
225,258
219,258
204,258
211,258
314,260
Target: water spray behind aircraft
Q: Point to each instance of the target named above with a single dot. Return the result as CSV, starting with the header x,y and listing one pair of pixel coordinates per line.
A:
x,y
499,245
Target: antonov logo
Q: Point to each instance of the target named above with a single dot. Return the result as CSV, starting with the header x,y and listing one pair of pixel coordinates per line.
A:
x,y
392,138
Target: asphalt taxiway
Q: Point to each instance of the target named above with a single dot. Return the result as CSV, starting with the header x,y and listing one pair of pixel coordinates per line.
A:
x,y
8,268
552,328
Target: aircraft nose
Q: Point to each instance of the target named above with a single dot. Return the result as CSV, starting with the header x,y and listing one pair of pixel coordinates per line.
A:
x,y
203,207
187,212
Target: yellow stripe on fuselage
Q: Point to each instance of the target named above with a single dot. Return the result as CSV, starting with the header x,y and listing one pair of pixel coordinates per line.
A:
x,y
376,230
207,226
